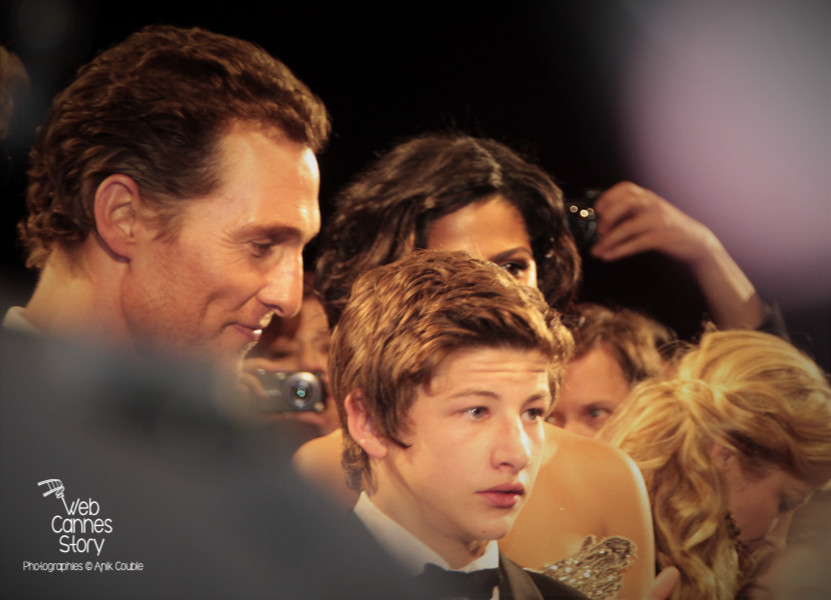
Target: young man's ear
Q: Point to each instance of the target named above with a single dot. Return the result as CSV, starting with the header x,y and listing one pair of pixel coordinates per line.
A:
x,y
117,201
360,426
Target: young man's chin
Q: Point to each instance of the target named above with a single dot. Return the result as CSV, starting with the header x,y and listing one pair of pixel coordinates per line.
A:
x,y
496,529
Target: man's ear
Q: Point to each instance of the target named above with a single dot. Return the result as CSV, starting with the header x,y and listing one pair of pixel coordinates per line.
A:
x,y
117,201
360,426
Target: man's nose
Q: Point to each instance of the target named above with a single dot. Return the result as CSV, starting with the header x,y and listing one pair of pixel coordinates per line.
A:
x,y
282,286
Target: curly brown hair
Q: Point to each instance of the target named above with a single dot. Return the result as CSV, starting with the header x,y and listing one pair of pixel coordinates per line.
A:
x,y
385,212
154,107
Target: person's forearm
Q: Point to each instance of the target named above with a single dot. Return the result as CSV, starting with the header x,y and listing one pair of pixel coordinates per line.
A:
x,y
731,297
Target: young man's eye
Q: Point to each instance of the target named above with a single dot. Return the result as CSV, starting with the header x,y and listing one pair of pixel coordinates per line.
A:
x,y
534,414
477,412
556,419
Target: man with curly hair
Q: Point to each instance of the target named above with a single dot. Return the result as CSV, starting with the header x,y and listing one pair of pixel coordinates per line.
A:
x,y
171,191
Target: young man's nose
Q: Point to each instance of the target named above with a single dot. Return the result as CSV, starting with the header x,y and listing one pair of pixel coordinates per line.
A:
x,y
513,445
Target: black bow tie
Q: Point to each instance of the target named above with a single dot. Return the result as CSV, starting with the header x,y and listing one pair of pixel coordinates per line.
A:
x,y
475,585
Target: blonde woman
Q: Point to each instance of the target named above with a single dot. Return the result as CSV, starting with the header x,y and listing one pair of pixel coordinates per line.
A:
x,y
730,448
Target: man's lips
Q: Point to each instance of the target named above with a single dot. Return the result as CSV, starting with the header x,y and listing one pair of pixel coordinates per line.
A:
x,y
506,495
253,332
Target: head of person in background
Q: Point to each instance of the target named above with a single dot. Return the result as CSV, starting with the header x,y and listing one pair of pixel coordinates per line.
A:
x,y
614,350
450,192
443,368
800,570
14,83
296,344
172,188
730,447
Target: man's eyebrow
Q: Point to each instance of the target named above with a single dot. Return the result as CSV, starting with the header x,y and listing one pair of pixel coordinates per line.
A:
x,y
544,396
273,232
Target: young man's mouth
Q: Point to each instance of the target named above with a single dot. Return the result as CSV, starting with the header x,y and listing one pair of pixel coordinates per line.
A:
x,y
506,495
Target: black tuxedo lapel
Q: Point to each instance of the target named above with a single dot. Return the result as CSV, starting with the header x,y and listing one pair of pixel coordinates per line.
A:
x,y
516,583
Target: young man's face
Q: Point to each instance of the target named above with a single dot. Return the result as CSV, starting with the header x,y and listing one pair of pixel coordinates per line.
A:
x,y
475,439
237,257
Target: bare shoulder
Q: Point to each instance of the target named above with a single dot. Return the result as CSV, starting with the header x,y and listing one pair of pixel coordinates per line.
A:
x,y
319,462
319,453
594,462
585,487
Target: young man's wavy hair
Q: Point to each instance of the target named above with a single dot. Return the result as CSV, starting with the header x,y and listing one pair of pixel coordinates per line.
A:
x,y
385,212
404,319
154,108
755,395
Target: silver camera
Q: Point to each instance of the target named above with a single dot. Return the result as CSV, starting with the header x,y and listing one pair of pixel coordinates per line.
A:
x,y
291,391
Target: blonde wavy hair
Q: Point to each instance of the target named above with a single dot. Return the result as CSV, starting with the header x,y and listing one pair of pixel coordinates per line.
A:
x,y
750,392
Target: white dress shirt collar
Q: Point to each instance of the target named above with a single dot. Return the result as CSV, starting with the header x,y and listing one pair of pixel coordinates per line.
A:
x,y
408,550
15,320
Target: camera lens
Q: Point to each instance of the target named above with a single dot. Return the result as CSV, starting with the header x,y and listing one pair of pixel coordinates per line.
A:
x,y
301,393
305,390
291,391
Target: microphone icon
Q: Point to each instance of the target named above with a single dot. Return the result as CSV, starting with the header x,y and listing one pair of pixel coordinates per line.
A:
x,y
55,486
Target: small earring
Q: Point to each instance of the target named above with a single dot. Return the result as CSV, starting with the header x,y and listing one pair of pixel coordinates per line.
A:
x,y
732,529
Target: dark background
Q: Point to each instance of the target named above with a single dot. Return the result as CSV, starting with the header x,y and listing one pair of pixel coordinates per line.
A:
x,y
563,82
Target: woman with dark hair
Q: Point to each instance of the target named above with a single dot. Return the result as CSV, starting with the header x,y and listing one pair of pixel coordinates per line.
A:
x,y
421,188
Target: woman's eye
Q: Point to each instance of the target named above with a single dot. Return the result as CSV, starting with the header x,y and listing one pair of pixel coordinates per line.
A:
x,y
534,414
515,267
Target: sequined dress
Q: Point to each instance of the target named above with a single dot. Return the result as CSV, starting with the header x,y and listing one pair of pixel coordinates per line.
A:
x,y
596,569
